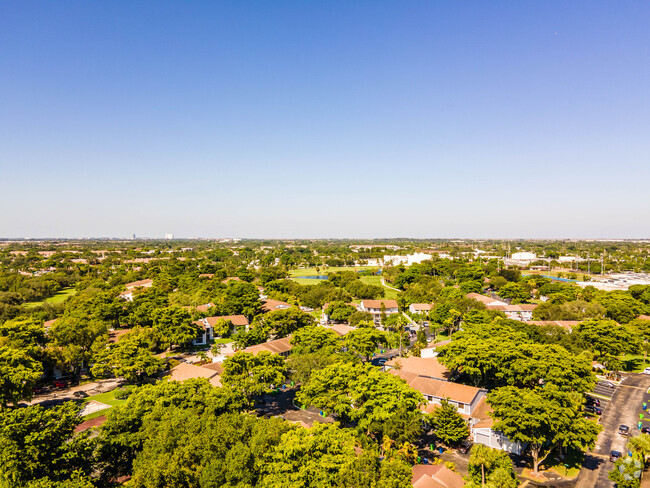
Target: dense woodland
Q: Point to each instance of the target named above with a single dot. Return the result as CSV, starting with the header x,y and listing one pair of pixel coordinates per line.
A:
x,y
196,435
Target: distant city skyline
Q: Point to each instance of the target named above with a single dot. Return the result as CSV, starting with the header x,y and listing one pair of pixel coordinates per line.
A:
x,y
325,120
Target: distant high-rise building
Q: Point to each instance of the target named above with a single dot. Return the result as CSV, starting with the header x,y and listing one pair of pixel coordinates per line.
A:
x,y
134,237
169,237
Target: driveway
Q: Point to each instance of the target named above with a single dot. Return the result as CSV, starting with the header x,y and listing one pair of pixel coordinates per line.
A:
x,y
624,408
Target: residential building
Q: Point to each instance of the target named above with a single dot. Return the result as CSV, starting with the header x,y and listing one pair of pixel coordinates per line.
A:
x,y
569,325
432,350
278,346
485,300
426,367
482,431
139,284
186,371
208,323
374,307
424,308
523,311
465,398
272,305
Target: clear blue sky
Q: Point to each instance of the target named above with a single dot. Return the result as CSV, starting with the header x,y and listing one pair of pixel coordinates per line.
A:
x,y
325,119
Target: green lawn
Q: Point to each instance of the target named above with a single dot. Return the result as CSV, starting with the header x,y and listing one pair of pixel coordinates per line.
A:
x,y
634,363
108,398
297,273
58,297
223,340
306,281
569,467
376,280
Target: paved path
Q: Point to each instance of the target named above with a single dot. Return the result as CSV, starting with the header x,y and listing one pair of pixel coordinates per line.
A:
x,y
624,408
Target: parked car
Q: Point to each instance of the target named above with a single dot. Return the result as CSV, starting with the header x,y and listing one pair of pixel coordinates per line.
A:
x,y
59,384
593,409
614,455
465,446
80,394
381,361
646,371
645,430
592,401
624,430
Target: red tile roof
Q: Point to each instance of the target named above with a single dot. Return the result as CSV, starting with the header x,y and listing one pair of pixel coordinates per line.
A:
x,y
278,346
435,476
438,388
143,283
237,320
377,303
429,367
270,305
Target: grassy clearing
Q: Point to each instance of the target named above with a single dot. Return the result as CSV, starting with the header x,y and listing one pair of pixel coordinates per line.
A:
x,y
569,467
634,363
376,280
58,297
323,270
108,398
307,281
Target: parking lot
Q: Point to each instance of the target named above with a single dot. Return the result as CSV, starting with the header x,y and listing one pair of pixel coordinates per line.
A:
x,y
624,408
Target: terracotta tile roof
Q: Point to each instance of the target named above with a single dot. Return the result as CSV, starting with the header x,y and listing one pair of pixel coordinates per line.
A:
x,y
482,413
237,320
342,329
270,305
644,317
218,367
49,323
204,308
143,283
206,275
522,307
277,346
435,476
567,324
483,298
377,303
429,367
424,307
89,424
186,371
438,388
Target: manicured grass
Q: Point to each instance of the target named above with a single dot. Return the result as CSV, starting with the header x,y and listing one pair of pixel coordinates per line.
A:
x,y
569,467
297,273
58,297
223,340
108,398
633,363
307,281
376,280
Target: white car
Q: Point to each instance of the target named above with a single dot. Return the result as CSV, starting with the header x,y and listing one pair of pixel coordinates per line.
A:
x,y
646,371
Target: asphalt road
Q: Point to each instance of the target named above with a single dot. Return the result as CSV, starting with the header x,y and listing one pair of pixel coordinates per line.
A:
x,y
624,408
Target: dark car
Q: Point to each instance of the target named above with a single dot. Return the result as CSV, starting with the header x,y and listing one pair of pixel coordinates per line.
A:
x,y
592,401
645,430
624,430
614,455
80,394
593,409
465,446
